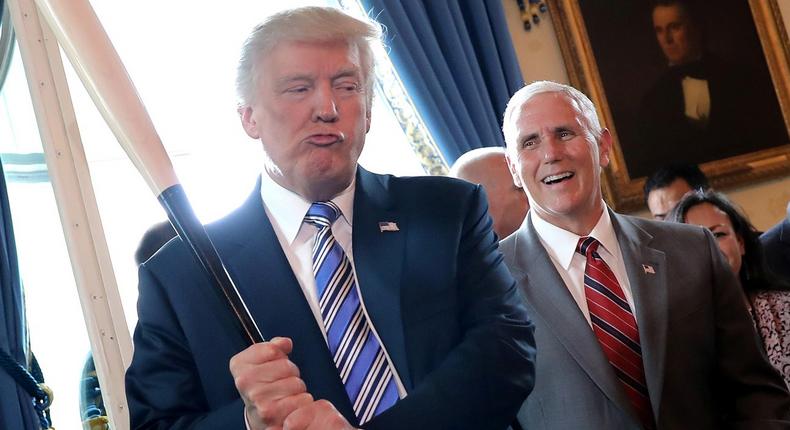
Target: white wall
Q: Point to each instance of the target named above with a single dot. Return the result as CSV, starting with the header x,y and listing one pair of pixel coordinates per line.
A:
x,y
540,58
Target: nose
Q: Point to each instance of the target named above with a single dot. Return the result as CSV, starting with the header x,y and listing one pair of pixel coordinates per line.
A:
x,y
552,150
663,37
325,106
667,37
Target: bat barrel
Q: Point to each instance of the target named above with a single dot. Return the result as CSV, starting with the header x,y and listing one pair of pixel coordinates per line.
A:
x,y
101,71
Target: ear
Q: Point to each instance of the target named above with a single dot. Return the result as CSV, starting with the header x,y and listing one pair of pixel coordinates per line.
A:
x,y
741,246
513,167
604,147
248,122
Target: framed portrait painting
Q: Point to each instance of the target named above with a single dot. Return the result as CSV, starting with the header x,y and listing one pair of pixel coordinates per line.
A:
x,y
682,81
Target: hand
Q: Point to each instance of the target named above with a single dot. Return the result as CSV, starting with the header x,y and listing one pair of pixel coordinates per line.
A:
x,y
318,415
269,383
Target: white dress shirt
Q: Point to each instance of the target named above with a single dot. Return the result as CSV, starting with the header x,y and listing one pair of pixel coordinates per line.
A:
x,y
561,247
286,211
696,99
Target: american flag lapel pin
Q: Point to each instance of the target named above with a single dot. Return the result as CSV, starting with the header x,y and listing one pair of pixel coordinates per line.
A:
x,y
648,269
388,226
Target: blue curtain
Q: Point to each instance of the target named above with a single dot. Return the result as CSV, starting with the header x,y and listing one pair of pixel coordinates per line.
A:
x,y
16,407
457,61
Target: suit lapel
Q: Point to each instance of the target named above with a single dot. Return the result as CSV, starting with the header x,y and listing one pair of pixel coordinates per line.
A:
x,y
647,276
378,257
546,292
255,261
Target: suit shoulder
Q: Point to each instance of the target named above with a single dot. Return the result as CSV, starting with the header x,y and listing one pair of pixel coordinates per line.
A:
x,y
667,231
436,191
508,248
431,184
779,232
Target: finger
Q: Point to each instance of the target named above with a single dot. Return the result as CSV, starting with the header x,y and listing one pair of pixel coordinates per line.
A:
x,y
274,413
273,391
260,353
269,381
319,415
285,344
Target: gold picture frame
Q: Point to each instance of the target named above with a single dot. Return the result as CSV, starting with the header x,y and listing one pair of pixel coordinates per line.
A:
x,y
623,188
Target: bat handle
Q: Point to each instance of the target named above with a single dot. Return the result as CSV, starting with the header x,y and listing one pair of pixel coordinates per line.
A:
x,y
192,232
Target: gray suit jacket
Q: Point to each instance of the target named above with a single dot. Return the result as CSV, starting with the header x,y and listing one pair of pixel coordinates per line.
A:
x,y
703,362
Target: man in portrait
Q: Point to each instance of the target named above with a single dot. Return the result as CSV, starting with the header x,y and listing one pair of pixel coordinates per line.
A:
x,y
703,107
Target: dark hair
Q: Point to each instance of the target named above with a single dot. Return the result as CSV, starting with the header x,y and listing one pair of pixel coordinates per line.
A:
x,y
691,8
154,238
754,272
664,176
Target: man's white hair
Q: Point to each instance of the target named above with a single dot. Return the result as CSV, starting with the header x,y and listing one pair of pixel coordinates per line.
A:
x,y
578,100
305,24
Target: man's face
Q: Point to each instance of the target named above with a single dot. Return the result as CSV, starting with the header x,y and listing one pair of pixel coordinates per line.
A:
x,y
554,156
662,200
311,113
676,34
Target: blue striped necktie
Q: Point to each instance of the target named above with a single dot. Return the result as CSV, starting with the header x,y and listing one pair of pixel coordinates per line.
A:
x,y
359,358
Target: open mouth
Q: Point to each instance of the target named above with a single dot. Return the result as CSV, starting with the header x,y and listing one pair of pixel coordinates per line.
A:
x,y
555,179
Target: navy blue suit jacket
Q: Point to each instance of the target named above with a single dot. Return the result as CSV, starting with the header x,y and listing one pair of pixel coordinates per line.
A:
x,y
776,245
437,291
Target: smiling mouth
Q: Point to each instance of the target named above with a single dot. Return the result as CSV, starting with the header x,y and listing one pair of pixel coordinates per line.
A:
x,y
555,179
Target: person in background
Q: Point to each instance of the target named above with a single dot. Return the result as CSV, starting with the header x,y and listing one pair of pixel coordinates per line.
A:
x,y
776,243
664,188
507,203
154,238
768,297
638,324
384,301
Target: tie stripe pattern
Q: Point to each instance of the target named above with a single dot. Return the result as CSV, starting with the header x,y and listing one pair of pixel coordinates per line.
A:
x,y
615,327
359,358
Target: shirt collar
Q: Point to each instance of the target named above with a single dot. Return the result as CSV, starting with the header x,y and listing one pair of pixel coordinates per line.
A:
x,y
288,208
561,244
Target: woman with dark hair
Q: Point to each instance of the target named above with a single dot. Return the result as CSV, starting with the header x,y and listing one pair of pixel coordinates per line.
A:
x,y
768,297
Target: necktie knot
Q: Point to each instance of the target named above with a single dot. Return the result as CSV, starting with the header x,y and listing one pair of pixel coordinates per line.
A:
x,y
588,246
322,214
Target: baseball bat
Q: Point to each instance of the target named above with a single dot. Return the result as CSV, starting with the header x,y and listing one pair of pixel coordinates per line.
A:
x,y
83,39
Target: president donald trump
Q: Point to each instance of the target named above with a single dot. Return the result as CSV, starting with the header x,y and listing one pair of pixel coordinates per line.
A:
x,y
384,300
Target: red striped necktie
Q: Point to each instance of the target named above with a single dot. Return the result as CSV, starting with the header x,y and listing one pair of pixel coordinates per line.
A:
x,y
615,327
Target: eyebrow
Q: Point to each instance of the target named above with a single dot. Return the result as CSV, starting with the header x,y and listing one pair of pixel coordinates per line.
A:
x,y
293,78
555,129
530,136
564,128
350,72
343,73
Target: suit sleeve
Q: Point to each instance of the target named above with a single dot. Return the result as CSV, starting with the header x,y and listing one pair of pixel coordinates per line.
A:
x,y
163,387
752,394
484,380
